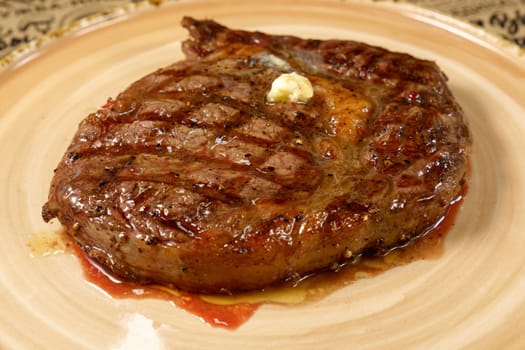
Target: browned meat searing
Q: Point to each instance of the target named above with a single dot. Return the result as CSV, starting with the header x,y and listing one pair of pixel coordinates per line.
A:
x,y
193,177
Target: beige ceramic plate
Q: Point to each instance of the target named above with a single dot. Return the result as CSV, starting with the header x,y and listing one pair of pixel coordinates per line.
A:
x,y
474,296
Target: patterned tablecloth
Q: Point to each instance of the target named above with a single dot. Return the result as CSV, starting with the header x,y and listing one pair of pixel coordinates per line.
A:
x,y
24,20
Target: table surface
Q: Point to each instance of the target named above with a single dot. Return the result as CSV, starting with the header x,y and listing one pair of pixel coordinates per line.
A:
x,y
23,21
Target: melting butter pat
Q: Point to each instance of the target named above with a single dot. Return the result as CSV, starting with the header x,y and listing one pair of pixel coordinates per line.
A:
x,y
290,87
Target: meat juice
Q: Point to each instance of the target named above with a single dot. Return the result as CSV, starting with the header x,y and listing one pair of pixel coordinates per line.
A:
x,y
231,311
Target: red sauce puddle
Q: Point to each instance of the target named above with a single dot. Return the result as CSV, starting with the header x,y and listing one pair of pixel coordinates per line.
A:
x,y
230,312
226,316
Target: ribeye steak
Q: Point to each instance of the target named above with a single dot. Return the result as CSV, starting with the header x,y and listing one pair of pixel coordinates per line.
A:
x,y
210,176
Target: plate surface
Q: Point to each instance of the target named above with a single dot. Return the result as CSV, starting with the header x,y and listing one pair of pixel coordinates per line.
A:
x,y
473,296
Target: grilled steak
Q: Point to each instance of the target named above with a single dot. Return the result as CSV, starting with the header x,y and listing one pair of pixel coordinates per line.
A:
x,y
194,177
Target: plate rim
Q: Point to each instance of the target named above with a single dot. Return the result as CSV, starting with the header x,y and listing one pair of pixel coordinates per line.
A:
x,y
110,22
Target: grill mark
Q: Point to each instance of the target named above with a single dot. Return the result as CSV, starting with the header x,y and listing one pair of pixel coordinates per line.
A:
x,y
106,120
188,155
126,171
130,167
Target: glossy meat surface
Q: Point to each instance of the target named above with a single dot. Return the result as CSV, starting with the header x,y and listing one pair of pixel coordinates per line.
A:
x,y
191,178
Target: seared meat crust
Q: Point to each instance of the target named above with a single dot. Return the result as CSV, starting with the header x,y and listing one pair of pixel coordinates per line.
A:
x,y
191,178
